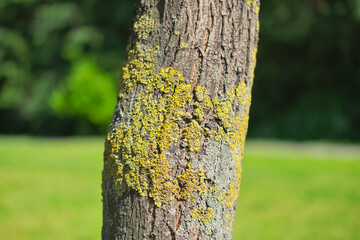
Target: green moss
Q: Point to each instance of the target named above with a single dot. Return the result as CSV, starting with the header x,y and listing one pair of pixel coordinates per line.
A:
x,y
202,214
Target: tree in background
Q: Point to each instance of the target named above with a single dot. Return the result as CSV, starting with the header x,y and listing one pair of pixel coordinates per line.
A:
x,y
307,87
172,161
310,60
59,64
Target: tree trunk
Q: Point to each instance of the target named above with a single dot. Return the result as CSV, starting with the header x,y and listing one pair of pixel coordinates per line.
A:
x,y
172,164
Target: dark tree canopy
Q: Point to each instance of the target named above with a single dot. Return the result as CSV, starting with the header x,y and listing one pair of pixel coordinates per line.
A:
x,y
306,88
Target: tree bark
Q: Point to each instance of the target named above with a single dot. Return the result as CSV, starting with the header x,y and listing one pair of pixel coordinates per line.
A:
x,y
172,161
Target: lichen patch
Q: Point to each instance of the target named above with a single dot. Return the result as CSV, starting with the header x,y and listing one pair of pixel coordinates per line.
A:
x,y
167,112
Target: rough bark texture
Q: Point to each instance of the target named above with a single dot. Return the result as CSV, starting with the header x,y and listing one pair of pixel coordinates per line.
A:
x,y
172,164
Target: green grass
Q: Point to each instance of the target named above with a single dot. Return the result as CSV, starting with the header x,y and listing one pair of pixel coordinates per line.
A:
x,y
50,189
299,191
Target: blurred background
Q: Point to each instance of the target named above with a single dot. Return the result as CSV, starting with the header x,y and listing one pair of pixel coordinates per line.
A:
x,y
60,62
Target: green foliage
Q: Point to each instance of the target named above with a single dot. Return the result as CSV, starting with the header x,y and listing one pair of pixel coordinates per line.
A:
x,y
308,71
87,91
15,68
306,81
47,49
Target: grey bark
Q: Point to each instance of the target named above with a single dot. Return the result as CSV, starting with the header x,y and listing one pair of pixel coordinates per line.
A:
x,y
221,36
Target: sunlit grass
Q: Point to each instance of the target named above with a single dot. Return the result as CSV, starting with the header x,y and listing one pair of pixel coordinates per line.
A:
x,y
299,191
50,189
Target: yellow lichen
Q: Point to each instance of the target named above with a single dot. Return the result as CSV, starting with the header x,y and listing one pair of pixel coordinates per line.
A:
x,y
236,140
233,129
192,135
135,152
167,79
182,95
201,94
191,181
250,2
255,3
243,94
228,197
217,135
231,95
199,113
157,49
143,26
170,133
212,190
184,45
136,158
113,168
139,68
223,111
257,9
202,214
253,63
203,102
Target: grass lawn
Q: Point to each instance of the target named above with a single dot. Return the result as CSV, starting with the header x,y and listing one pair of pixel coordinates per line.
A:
x,y
50,189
